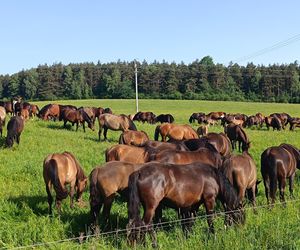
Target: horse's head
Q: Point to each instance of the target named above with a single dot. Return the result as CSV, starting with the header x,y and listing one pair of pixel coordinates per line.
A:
x,y
246,146
81,186
136,230
9,141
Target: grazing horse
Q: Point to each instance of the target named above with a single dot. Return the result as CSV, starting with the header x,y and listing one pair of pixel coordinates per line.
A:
x,y
34,110
294,122
135,138
184,187
2,119
76,117
175,131
206,154
25,114
221,142
60,170
114,122
126,153
8,106
164,118
277,164
105,182
274,122
50,111
235,134
195,116
15,127
90,112
144,117
202,130
283,117
241,172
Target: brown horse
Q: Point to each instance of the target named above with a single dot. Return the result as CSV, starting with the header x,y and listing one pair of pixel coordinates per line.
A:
x,y
175,131
221,142
207,155
144,117
235,134
8,106
135,138
76,117
50,111
195,116
202,130
25,114
114,122
164,118
15,127
126,153
105,182
274,122
60,170
2,119
185,187
34,110
278,164
241,172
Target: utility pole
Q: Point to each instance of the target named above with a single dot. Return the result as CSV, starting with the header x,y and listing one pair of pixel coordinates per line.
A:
x,y
136,87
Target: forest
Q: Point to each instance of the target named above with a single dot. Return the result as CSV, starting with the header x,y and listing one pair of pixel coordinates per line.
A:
x,y
200,80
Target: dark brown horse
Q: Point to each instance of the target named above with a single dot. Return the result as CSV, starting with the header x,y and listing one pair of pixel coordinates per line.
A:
x,y
164,118
76,117
206,154
283,117
114,122
50,111
241,172
294,123
144,117
175,131
236,134
183,187
8,106
60,170
135,138
15,127
105,182
195,116
277,164
274,122
2,118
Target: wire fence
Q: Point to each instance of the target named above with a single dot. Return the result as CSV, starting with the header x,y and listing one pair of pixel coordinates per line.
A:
x,y
157,226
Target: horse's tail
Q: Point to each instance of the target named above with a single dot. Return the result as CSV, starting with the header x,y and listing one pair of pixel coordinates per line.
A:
x,y
131,124
272,175
191,119
228,193
61,192
133,206
156,133
121,139
94,194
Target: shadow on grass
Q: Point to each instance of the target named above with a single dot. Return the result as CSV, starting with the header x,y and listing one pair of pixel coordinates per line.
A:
x,y
60,127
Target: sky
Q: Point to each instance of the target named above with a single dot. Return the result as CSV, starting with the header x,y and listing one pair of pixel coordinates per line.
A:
x,y
37,32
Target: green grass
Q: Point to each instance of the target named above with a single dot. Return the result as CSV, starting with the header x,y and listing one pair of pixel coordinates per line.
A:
x,y
23,203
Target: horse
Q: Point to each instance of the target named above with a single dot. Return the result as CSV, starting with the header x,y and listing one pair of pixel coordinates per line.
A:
x,y
294,122
241,172
206,154
50,111
105,182
164,118
216,115
274,122
202,130
135,138
277,164
121,152
144,117
25,114
2,119
184,187
235,134
90,111
175,131
8,106
34,110
195,116
114,122
283,117
15,127
76,117
221,142
60,169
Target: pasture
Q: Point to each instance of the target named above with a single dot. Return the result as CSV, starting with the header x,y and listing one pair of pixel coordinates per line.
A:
x,y
23,200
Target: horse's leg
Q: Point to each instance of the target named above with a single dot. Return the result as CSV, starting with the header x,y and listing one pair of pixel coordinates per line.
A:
x,y
72,191
281,186
148,216
50,199
65,123
267,187
58,206
76,126
83,126
99,132
105,133
106,208
209,204
18,138
95,205
291,184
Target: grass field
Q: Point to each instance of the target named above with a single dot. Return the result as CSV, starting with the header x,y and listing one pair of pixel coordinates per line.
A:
x,y
23,203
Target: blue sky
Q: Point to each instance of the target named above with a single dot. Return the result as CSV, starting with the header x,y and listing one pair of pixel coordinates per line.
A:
x,y
37,32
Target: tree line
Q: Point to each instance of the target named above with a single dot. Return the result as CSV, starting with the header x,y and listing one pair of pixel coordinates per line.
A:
x,y
201,80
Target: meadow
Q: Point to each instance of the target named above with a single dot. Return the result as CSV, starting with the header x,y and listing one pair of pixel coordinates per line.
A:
x,y
23,201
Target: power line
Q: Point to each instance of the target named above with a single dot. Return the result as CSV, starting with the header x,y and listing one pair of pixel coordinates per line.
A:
x,y
278,45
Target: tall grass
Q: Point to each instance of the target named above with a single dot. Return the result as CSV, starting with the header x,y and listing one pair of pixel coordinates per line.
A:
x,y
23,203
